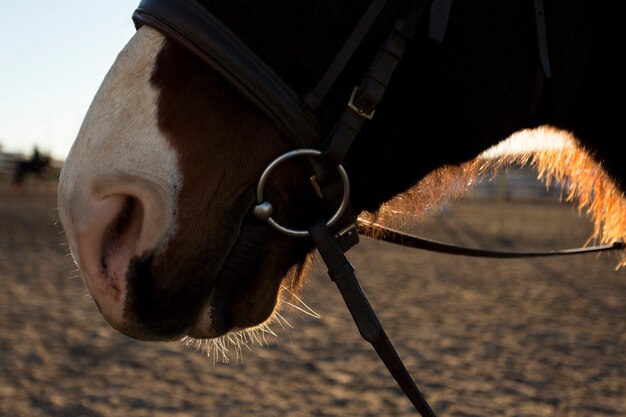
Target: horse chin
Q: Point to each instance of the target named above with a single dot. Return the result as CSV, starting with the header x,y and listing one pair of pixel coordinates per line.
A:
x,y
256,308
248,288
227,308
213,322
204,297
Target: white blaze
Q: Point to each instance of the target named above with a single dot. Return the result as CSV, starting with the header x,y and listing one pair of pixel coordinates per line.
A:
x,y
119,153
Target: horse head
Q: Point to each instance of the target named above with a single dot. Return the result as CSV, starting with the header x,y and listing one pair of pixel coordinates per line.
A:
x,y
157,192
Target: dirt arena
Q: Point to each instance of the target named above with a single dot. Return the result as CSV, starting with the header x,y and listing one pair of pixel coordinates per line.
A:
x,y
542,337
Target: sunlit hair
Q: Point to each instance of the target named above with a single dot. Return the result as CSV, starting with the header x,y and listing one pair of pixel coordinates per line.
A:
x,y
559,160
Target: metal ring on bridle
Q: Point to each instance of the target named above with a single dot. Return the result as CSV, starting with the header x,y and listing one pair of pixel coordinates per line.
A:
x,y
263,210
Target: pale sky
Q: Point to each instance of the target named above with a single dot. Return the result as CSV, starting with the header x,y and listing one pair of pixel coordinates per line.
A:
x,y
53,57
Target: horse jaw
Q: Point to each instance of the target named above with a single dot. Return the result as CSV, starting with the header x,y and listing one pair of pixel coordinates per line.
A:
x,y
118,186
161,259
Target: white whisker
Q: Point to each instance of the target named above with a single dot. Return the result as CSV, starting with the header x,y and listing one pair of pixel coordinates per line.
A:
x,y
308,311
304,307
284,320
254,333
218,349
266,329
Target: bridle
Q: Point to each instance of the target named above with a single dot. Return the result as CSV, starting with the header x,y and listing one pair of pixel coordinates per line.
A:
x,y
195,28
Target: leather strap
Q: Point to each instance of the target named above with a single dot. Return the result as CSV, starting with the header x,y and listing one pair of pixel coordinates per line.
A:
x,y
342,273
439,16
317,95
367,96
542,38
397,237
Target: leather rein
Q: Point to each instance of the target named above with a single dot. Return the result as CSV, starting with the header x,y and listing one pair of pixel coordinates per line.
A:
x,y
188,23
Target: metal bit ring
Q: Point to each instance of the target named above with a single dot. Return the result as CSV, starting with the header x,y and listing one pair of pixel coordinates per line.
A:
x,y
263,210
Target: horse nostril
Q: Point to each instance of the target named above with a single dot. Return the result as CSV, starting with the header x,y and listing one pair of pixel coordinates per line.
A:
x,y
106,228
121,237
104,236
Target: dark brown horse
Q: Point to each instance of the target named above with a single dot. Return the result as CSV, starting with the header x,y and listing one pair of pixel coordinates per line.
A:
x,y
157,192
36,164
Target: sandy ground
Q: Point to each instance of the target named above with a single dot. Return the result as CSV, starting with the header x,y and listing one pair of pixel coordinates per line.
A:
x,y
543,337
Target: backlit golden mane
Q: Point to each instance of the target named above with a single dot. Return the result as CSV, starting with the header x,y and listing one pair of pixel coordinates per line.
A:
x,y
559,160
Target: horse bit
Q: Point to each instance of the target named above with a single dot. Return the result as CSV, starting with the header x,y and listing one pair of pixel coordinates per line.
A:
x,y
192,26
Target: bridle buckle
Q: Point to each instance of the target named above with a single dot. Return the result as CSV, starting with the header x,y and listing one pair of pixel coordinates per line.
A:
x,y
357,110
